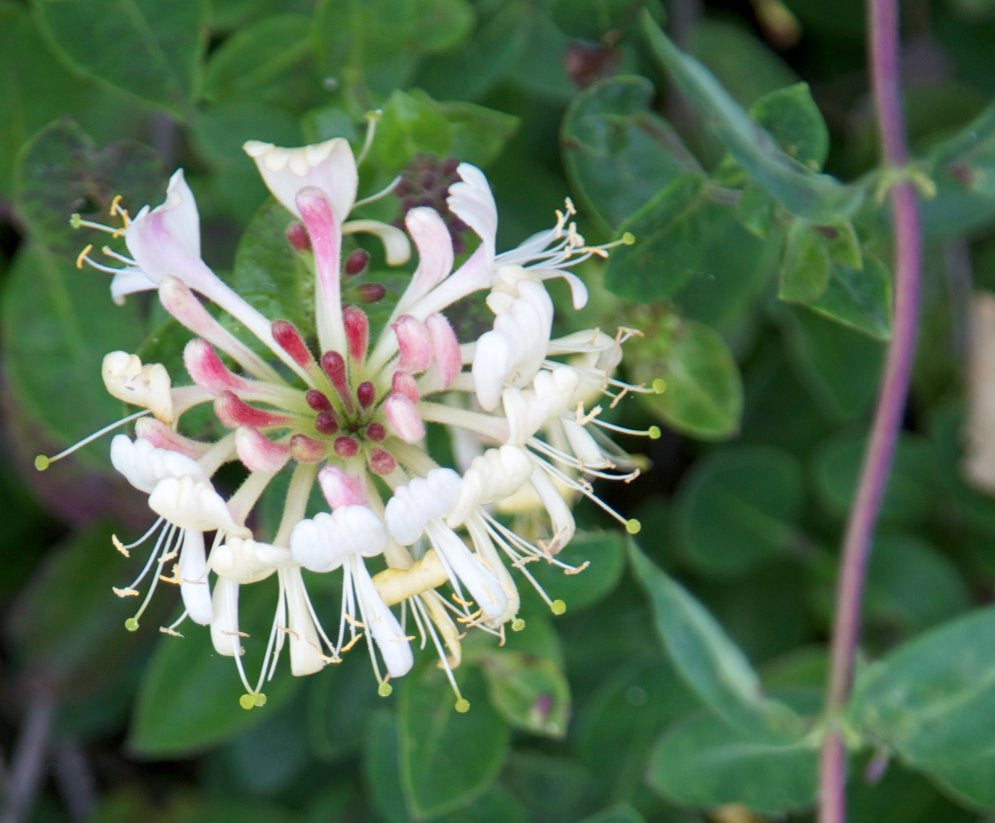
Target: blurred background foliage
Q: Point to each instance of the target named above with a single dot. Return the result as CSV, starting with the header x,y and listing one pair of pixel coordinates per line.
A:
x,y
760,279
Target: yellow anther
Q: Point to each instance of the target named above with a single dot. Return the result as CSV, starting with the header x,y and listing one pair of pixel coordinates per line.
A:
x,y
124,592
351,643
120,546
115,205
169,631
569,205
578,569
81,257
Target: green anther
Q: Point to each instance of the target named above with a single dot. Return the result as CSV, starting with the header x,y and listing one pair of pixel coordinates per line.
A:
x,y
517,624
259,699
557,607
659,385
385,690
247,701
654,432
633,526
462,705
75,221
628,238
42,462
131,624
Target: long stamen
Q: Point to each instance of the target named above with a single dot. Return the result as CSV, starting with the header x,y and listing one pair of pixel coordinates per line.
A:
x,y
42,461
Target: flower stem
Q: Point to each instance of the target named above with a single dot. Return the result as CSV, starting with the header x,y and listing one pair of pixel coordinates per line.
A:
x,y
885,82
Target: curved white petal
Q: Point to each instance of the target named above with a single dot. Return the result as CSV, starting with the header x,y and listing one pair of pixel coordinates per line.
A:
x,y
194,586
380,622
329,166
305,648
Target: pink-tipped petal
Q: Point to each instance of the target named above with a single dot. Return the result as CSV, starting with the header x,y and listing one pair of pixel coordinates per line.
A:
x,y
257,452
445,348
234,412
404,419
326,242
414,342
435,249
405,385
357,332
207,370
341,489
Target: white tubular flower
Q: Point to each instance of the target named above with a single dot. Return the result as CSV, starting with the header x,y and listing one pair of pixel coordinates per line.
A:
x,y
417,509
193,504
192,570
322,543
329,167
512,352
147,386
351,408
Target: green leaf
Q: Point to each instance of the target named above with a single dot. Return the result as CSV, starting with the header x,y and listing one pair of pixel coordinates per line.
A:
x,y
933,698
447,758
530,692
840,367
603,550
691,248
471,70
790,116
618,153
738,508
58,323
254,56
620,813
968,779
816,197
806,267
189,697
36,89
270,275
379,42
702,393
624,715
62,171
145,47
592,19
858,298
962,169
381,767
706,763
901,568
339,705
479,134
910,494
706,658
410,124
67,623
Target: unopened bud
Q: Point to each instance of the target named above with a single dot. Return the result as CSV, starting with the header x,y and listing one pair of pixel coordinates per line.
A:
x,y
298,237
357,262
371,292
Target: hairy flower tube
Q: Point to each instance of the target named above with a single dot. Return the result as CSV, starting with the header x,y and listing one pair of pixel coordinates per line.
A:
x,y
340,411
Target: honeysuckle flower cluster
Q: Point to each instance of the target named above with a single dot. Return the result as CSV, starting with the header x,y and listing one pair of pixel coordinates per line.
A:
x,y
422,549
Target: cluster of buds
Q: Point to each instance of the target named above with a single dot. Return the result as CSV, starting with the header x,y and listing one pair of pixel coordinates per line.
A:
x,y
345,409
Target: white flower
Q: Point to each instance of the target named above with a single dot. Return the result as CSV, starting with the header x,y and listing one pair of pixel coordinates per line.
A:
x,y
352,415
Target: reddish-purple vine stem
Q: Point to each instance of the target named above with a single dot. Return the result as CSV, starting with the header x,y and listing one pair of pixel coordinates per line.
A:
x,y
886,85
